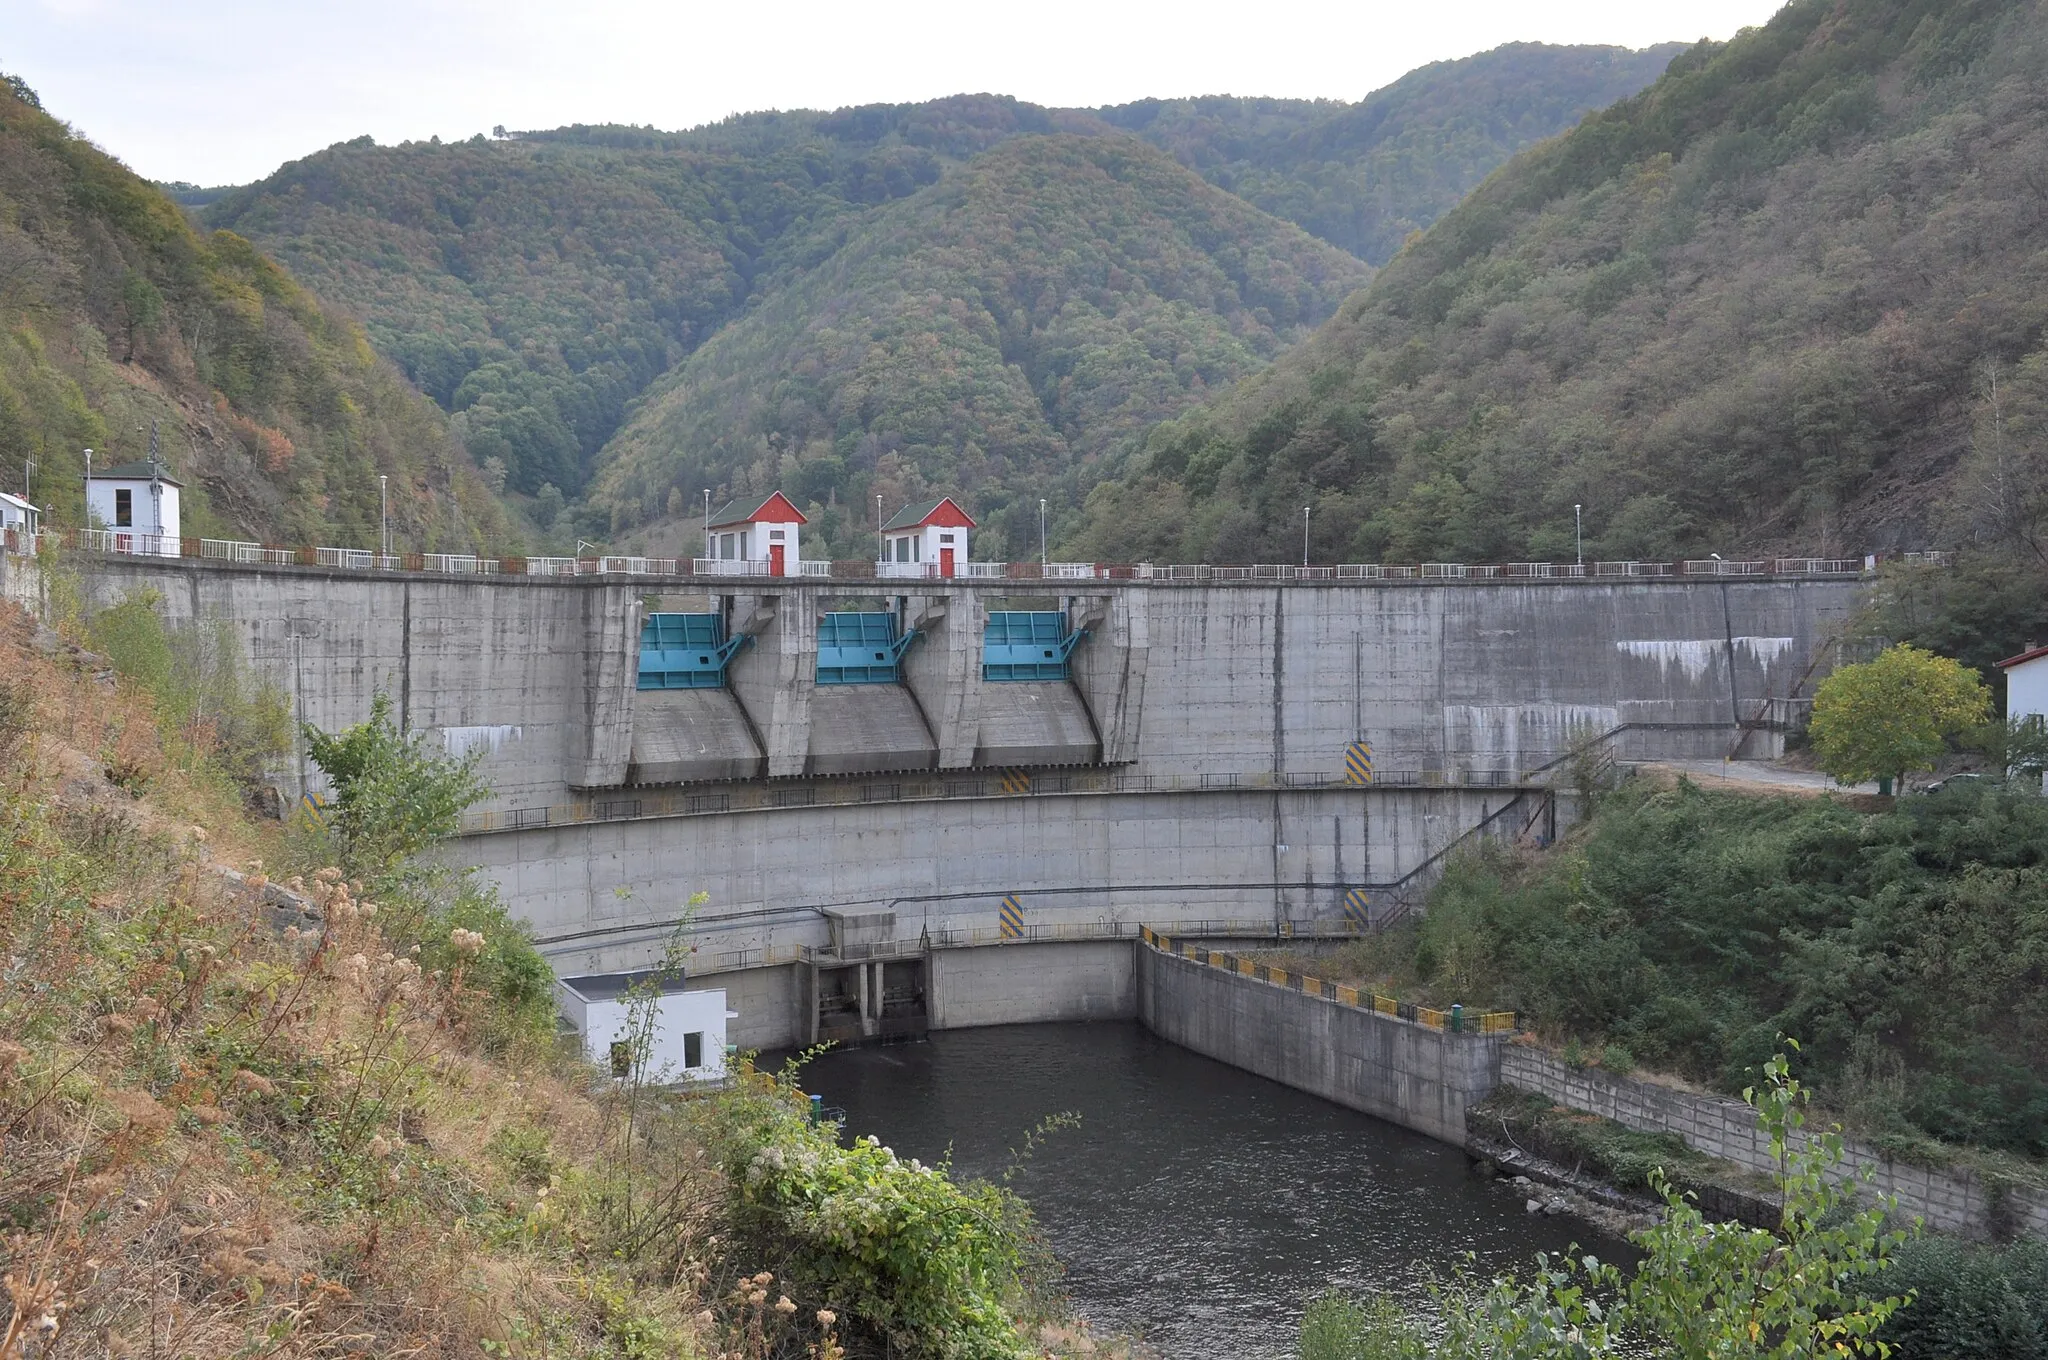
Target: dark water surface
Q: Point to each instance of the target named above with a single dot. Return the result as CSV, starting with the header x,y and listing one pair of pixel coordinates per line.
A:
x,y
1196,1205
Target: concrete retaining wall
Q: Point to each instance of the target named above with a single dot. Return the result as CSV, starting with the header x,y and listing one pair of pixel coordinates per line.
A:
x,y
603,898
1953,1201
1417,1077
1015,984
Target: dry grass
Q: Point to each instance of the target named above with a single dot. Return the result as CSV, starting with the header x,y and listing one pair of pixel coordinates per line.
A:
x,y
216,1138
222,1135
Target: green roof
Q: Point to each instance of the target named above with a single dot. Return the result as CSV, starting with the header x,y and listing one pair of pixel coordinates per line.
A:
x,y
136,472
910,516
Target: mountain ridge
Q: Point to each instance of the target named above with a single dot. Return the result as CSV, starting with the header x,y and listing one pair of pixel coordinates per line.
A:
x,y
539,285
1751,309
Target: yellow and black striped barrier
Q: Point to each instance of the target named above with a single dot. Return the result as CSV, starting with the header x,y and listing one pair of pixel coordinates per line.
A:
x,y
1453,1021
1011,917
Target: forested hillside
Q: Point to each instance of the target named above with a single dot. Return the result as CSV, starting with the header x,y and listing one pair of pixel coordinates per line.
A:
x,y
115,315
1783,299
537,284
992,334
1365,175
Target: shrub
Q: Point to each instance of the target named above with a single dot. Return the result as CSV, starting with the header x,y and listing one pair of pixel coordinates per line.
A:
x,y
1340,1327
931,1264
394,796
1975,1302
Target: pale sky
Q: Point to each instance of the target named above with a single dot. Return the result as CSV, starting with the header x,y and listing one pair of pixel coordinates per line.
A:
x,y
224,91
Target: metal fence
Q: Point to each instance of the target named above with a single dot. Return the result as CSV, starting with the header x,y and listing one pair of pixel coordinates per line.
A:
x,y
915,788
1454,1020
121,542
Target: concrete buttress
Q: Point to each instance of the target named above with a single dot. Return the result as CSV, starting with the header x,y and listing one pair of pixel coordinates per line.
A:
x,y
943,671
776,677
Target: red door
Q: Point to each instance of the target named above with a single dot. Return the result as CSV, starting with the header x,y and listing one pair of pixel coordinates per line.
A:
x,y
945,561
775,559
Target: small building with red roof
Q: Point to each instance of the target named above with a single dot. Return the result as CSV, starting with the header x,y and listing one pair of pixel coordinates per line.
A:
x,y
755,536
929,539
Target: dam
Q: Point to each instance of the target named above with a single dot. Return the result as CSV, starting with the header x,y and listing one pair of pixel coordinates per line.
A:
x,y
881,792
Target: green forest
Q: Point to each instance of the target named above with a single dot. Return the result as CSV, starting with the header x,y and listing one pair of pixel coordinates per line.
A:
x,y
1907,949
116,316
1789,298
542,287
998,331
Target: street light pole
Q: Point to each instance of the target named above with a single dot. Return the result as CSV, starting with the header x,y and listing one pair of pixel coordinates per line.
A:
x,y
881,544
384,514
87,521
1041,533
1304,535
1579,532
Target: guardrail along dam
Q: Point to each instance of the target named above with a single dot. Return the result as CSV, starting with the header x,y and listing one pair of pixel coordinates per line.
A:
x,y
872,790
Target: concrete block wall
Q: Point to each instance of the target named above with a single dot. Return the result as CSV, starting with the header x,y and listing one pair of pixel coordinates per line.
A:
x,y
1953,1201
1021,983
1408,1074
605,896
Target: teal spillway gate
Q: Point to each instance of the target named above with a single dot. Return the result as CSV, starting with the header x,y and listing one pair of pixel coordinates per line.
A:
x,y
860,649
1021,645
685,651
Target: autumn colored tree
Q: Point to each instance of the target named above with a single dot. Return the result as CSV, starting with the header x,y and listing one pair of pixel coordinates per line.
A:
x,y
1882,718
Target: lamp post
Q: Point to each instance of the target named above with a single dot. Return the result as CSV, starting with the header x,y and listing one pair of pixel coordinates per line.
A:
x,y
707,523
1041,533
87,521
1579,532
881,544
1304,535
383,515
28,465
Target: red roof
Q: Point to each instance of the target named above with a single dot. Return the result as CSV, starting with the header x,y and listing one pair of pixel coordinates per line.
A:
x,y
2023,656
774,510
943,512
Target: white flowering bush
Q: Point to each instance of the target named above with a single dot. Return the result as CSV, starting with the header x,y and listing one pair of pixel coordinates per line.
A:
x,y
932,1264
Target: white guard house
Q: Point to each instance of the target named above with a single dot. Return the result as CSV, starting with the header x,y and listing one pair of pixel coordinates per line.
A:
x,y
926,540
757,537
688,1042
18,515
2026,688
138,503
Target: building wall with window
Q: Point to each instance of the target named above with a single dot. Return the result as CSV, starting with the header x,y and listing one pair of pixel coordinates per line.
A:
x,y
688,1039
141,506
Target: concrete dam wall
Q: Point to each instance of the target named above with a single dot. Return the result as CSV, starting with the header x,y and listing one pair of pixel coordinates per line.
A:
x,y
1189,763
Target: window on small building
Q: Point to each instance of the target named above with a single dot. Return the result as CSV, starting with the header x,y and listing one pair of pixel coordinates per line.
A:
x,y
946,539
693,1049
775,535
622,1058
124,508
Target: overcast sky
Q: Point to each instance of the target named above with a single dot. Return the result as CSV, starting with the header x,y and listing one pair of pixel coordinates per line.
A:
x,y
224,91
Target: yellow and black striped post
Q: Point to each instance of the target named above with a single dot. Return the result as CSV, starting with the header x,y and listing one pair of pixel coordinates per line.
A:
x,y
1012,917
1358,762
1358,908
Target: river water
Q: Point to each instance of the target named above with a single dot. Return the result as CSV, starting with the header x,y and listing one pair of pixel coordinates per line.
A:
x,y
1196,1206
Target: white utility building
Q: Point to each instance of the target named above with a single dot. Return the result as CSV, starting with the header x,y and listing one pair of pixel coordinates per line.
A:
x,y
138,503
18,515
926,540
757,536
687,1043
2026,688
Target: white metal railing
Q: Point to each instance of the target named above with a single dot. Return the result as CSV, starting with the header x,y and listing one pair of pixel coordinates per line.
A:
x,y
128,542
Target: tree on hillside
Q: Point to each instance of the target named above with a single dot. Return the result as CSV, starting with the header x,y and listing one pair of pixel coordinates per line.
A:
x,y
394,795
1882,718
